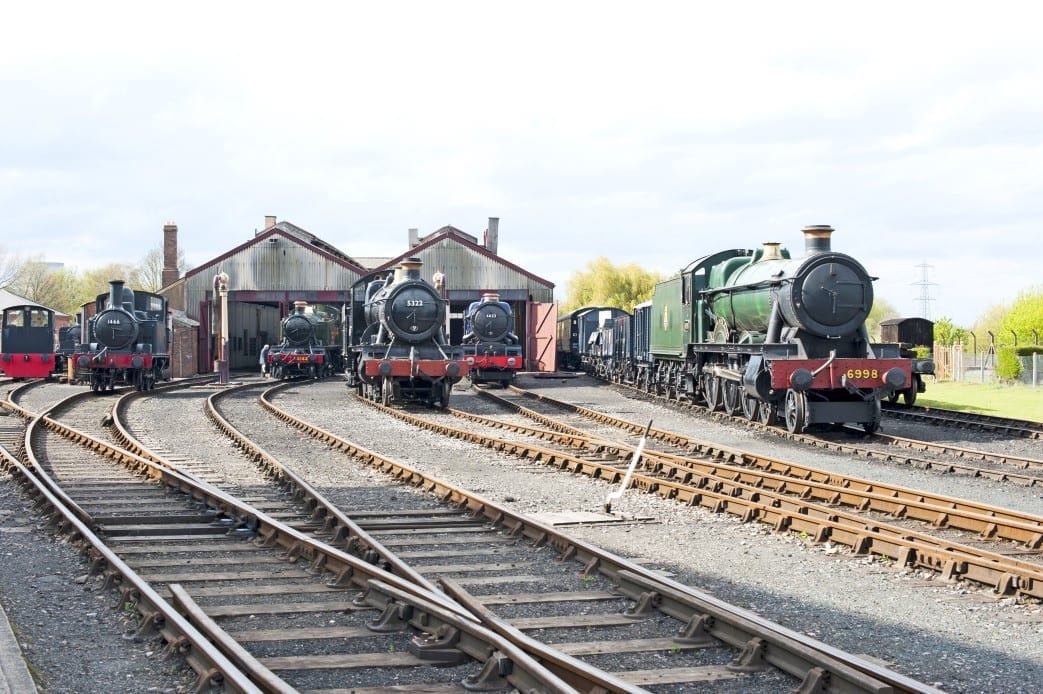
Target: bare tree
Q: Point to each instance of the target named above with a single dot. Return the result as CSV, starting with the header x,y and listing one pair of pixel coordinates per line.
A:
x,y
9,266
149,273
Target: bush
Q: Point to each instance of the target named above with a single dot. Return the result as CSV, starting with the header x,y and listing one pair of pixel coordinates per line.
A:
x,y
1008,366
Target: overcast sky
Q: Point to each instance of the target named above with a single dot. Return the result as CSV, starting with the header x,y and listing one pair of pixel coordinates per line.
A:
x,y
648,132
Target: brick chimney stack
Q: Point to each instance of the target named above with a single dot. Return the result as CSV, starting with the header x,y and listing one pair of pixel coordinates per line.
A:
x,y
414,237
170,273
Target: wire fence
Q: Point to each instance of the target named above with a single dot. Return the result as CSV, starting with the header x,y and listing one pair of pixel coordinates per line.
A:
x,y
959,364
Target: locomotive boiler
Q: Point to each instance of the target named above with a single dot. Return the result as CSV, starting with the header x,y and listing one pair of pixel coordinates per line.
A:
x,y
491,349
127,340
398,347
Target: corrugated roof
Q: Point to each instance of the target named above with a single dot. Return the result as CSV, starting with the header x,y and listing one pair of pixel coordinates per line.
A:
x,y
293,234
458,237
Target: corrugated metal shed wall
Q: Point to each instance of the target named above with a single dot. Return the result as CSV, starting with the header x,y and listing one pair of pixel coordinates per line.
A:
x,y
280,266
467,269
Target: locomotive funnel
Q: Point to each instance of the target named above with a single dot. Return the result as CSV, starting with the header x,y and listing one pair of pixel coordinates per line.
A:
x,y
116,293
816,238
411,268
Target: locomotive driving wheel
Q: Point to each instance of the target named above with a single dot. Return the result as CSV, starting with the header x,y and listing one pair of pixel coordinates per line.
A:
x,y
796,412
749,406
712,388
731,395
874,423
768,412
387,392
447,390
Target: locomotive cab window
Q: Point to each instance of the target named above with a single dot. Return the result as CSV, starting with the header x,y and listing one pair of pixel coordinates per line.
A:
x,y
13,318
38,318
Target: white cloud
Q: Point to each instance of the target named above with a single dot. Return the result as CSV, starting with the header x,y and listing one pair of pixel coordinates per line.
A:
x,y
652,133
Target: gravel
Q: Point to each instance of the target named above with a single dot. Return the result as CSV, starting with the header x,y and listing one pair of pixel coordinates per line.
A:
x,y
957,637
952,636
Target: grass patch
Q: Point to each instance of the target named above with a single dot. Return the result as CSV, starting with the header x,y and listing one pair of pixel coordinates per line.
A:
x,y
1017,401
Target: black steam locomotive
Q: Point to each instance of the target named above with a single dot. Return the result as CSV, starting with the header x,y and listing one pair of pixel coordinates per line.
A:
x,y
397,350
761,332
491,349
127,340
310,344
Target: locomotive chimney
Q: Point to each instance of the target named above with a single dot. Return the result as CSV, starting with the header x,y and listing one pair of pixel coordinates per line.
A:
x,y
411,268
170,273
772,251
816,238
300,306
115,293
492,235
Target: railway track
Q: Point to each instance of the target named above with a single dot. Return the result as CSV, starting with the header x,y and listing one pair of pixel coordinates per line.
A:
x,y
182,540
988,545
1006,426
1002,466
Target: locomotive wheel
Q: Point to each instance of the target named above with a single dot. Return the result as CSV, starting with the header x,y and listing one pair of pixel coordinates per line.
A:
x,y
796,412
712,388
749,406
447,390
873,424
768,412
387,392
731,396
909,394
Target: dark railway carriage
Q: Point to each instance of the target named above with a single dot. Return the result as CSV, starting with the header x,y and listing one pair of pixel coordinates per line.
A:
x,y
27,341
574,332
397,349
909,333
767,334
309,346
490,347
128,340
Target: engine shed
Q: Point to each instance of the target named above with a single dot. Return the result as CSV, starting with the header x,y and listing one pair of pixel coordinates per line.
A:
x,y
283,264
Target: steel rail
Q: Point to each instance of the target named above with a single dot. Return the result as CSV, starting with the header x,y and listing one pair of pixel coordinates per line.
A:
x,y
785,513
596,559
345,568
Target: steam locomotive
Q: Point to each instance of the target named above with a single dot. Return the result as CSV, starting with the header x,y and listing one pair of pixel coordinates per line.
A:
x,y
27,341
761,332
127,340
309,344
491,349
397,348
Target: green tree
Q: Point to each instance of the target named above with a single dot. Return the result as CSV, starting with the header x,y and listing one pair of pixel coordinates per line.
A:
x,y
605,284
882,310
96,280
947,333
1024,316
991,321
